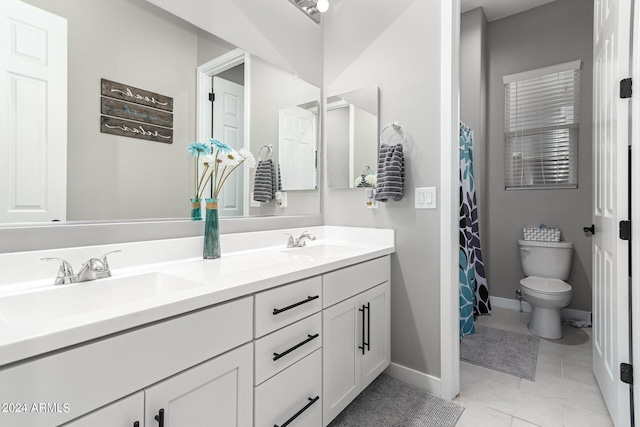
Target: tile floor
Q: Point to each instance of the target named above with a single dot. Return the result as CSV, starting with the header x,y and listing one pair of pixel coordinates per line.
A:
x,y
565,392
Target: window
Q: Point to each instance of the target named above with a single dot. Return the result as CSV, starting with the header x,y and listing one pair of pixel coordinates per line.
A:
x,y
541,127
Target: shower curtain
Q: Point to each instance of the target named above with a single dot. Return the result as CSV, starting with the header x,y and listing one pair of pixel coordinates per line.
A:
x,y
474,292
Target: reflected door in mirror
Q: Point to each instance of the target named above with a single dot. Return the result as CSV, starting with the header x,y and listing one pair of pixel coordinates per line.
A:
x,y
33,114
297,130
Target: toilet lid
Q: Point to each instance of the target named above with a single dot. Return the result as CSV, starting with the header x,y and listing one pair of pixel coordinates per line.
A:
x,y
545,285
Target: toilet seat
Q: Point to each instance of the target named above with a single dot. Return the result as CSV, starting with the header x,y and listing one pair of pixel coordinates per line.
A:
x,y
546,286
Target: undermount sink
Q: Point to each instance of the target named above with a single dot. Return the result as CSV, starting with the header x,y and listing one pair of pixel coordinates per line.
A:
x,y
323,250
62,302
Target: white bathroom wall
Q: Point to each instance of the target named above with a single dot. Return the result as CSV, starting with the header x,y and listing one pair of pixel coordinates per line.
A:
x,y
396,46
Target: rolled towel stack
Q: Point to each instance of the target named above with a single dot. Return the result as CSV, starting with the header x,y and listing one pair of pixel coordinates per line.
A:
x,y
390,183
264,185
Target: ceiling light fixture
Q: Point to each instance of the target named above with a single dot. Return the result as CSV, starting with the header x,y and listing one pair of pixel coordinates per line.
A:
x,y
322,6
312,8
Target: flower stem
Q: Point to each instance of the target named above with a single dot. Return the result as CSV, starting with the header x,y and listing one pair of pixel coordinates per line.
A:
x,y
224,178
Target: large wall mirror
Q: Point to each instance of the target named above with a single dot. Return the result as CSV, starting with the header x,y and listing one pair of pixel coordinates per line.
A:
x,y
109,177
352,138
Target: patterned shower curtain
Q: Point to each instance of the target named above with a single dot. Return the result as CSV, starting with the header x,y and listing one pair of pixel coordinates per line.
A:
x,y
474,292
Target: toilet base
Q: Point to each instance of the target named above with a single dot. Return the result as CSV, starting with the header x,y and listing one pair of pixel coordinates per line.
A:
x,y
546,323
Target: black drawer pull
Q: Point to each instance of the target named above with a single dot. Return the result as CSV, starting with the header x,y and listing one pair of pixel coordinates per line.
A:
x,y
277,356
280,310
311,402
160,418
364,344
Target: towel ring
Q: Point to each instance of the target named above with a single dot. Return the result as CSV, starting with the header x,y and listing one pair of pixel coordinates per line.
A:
x,y
269,152
397,127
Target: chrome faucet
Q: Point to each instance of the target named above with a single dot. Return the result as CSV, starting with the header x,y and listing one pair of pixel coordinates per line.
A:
x,y
300,241
93,269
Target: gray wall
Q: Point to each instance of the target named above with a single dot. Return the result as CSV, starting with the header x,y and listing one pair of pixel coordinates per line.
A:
x,y
473,98
396,47
551,34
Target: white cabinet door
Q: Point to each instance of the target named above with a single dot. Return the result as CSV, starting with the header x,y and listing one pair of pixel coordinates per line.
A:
x,y
123,413
377,331
356,347
215,393
342,359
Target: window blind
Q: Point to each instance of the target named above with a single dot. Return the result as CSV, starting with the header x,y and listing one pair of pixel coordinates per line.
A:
x,y
541,127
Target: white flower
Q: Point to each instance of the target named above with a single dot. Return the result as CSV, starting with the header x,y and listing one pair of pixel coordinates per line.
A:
x,y
209,159
230,159
249,160
371,180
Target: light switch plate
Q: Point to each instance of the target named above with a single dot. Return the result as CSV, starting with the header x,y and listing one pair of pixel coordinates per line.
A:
x,y
426,198
281,199
253,203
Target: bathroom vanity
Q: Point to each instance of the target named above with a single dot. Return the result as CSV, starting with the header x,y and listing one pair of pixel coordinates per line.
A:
x,y
263,336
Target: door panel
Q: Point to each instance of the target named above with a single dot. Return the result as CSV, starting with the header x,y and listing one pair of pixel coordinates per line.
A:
x,y
228,126
33,114
610,256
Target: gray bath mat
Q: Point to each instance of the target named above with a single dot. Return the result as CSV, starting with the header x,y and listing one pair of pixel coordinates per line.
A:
x,y
504,351
388,402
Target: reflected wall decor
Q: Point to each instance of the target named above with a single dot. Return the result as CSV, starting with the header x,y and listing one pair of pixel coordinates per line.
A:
x,y
135,113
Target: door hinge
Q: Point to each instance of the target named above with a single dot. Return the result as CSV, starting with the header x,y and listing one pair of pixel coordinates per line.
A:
x,y
625,230
626,373
625,88
212,97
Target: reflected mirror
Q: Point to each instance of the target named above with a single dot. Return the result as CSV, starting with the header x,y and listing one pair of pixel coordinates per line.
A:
x,y
352,138
110,177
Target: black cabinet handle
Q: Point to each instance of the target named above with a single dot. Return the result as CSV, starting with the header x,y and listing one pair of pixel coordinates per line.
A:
x,y
280,310
368,307
591,229
136,424
160,418
277,356
297,414
363,342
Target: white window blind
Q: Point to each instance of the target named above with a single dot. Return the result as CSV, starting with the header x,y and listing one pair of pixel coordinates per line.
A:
x,y
541,127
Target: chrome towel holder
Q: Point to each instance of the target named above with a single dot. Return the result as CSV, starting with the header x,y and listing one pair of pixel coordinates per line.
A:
x,y
269,154
397,127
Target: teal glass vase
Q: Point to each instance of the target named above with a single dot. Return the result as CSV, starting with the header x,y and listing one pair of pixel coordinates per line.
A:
x,y
196,209
211,249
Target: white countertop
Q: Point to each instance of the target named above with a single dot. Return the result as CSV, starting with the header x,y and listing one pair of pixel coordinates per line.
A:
x,y
252,263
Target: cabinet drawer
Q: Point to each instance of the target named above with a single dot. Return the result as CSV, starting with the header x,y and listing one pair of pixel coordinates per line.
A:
x,y
288,345
341,284
282,306
283,396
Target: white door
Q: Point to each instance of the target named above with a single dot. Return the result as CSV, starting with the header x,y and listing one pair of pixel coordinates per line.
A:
x,y
215,393
125,412
297,149
610,256
228,127
33,114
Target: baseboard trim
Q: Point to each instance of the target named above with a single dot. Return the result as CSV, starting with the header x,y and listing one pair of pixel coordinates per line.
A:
x,y
513,304
415,378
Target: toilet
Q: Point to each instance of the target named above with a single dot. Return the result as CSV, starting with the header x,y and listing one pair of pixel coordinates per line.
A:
x,y
547,266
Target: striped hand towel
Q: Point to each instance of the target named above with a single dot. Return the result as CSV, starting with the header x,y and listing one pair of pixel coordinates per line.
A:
x,y
390,173
264,185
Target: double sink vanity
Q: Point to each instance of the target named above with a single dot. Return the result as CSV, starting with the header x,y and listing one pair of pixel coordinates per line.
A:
x,y
264,336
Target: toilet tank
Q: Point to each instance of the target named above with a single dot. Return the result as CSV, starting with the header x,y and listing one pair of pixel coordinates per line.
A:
x,y
546,259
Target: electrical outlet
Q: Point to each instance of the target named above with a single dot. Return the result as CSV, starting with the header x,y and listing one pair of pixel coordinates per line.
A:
x,y
281,199
253,203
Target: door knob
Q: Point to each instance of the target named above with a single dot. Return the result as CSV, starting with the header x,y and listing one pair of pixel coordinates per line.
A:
x,y
591,229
